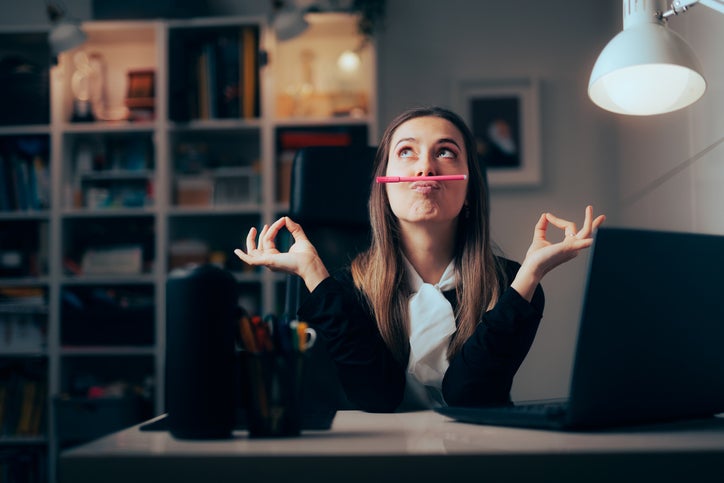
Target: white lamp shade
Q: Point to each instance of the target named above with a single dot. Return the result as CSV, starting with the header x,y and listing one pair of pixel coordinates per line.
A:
x,y
646,69
65,35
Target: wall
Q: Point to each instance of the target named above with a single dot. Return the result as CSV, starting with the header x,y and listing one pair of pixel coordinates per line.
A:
x,y
518,38
588,155
671,167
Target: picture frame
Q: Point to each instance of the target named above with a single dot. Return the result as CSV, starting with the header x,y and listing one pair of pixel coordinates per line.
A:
x,y
504,118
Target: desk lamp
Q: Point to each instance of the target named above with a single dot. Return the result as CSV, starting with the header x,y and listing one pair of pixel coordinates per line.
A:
x,y
647,68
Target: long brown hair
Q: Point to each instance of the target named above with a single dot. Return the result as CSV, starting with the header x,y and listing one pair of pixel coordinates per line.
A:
x,y
379,272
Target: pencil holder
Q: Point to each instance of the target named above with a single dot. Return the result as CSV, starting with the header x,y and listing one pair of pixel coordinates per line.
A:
x,y
273,388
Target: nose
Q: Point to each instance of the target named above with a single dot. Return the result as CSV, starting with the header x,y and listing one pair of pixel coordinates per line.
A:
x,y
426,164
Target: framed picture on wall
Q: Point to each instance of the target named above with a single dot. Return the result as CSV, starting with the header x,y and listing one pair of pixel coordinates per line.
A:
x,y
504,118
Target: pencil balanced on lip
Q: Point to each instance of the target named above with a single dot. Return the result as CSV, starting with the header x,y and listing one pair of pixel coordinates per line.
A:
x,y
412,179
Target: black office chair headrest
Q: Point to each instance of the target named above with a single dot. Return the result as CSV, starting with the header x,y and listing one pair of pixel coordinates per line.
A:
x,y
331,185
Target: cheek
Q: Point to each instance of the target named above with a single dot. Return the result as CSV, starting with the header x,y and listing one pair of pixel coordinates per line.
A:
x,y
394,169
394,197
400,202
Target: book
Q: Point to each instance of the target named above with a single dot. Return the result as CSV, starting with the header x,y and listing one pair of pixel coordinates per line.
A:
x,y
23,427
228,75
10,186
202,86
210,81
250,93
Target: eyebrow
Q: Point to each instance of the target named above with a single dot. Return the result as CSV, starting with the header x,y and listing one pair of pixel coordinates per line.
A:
x,y
448,140
439,141
404,140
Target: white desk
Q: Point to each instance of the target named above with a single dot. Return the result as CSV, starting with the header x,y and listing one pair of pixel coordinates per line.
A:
x,y
412,447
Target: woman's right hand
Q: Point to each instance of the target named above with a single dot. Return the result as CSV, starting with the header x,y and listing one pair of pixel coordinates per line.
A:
x,y
301,259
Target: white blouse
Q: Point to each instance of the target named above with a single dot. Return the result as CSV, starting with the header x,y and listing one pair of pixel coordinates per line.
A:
x,y
432,325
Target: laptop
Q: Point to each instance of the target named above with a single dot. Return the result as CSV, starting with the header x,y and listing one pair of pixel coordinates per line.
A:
x,y
650,344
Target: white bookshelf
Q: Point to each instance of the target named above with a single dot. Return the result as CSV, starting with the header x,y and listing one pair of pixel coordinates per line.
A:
x,y
245,147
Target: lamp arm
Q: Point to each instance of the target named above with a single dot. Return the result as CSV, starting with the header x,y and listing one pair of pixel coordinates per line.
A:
x,y
717,5
681,6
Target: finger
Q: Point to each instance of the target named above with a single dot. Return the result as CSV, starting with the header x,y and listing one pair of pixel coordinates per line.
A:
x,y
568,227
243,256
581,243
540,227
277,225
262,237
295,229
248,258
587,223
271,234
251,240
598,221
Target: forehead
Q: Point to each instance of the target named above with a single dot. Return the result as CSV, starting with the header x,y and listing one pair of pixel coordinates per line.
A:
x,y
427,128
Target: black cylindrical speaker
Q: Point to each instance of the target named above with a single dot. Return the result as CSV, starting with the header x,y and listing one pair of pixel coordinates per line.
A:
x,y
201,312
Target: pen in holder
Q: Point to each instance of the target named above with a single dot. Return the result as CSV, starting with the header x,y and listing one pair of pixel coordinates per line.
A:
x,y
273,362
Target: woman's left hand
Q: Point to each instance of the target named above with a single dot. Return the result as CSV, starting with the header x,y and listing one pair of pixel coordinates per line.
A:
x,y
544,255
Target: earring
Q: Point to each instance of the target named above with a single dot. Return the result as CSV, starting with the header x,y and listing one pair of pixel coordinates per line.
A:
x,y
466,211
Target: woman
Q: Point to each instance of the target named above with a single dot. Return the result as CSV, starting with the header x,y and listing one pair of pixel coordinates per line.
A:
x,y
428,315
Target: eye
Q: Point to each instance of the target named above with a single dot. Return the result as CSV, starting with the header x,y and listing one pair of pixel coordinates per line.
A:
x,y
405,153
447,153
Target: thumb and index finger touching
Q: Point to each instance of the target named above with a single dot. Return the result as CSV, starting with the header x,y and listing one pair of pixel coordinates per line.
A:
x,y
582,237
268,235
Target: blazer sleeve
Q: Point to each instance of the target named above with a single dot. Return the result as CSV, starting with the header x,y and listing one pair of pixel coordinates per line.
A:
x,y
481,373
372,379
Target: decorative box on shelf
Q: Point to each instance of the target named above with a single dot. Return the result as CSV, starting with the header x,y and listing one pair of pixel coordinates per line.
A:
x,y
117,260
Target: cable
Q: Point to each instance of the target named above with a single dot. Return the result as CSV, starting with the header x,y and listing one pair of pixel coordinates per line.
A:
x,y
670,173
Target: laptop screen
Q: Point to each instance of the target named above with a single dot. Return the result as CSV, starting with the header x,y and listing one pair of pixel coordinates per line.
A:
x,y
651,338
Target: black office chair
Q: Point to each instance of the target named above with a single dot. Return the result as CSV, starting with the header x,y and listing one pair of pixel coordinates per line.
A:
x,y
329,194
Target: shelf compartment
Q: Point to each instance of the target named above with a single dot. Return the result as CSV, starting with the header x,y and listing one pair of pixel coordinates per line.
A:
x,y
112,315
197,239
24,173
24,247
23,320
83,419
215,72
101,394
105,63
107,375
110,171
216,168
109,246
310,82
289,139
24,390
25,78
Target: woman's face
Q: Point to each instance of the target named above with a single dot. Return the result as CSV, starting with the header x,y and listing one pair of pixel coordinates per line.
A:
x,y
427,146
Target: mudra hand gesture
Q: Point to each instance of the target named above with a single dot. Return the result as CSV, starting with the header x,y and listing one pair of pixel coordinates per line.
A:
x,y
301,258
544,255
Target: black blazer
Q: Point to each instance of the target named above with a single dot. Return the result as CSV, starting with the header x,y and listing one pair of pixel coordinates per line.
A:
x,y
480,374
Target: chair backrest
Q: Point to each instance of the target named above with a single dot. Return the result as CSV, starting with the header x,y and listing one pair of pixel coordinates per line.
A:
x,y
329,194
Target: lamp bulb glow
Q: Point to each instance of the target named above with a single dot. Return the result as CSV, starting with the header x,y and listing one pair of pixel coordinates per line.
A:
x,y
348,61
648,89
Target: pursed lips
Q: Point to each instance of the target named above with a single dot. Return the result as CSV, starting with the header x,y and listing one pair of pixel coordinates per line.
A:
x,y
425,186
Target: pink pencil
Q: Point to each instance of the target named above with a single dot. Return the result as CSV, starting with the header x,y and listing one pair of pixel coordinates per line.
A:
x,y
412,179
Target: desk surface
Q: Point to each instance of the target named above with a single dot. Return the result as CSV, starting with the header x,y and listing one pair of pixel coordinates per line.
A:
x,y
423,446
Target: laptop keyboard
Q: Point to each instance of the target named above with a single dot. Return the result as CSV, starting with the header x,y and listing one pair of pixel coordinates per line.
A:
x,y
549,409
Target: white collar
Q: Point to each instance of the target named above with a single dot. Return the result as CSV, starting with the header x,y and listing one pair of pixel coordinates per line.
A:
x,y
446,282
